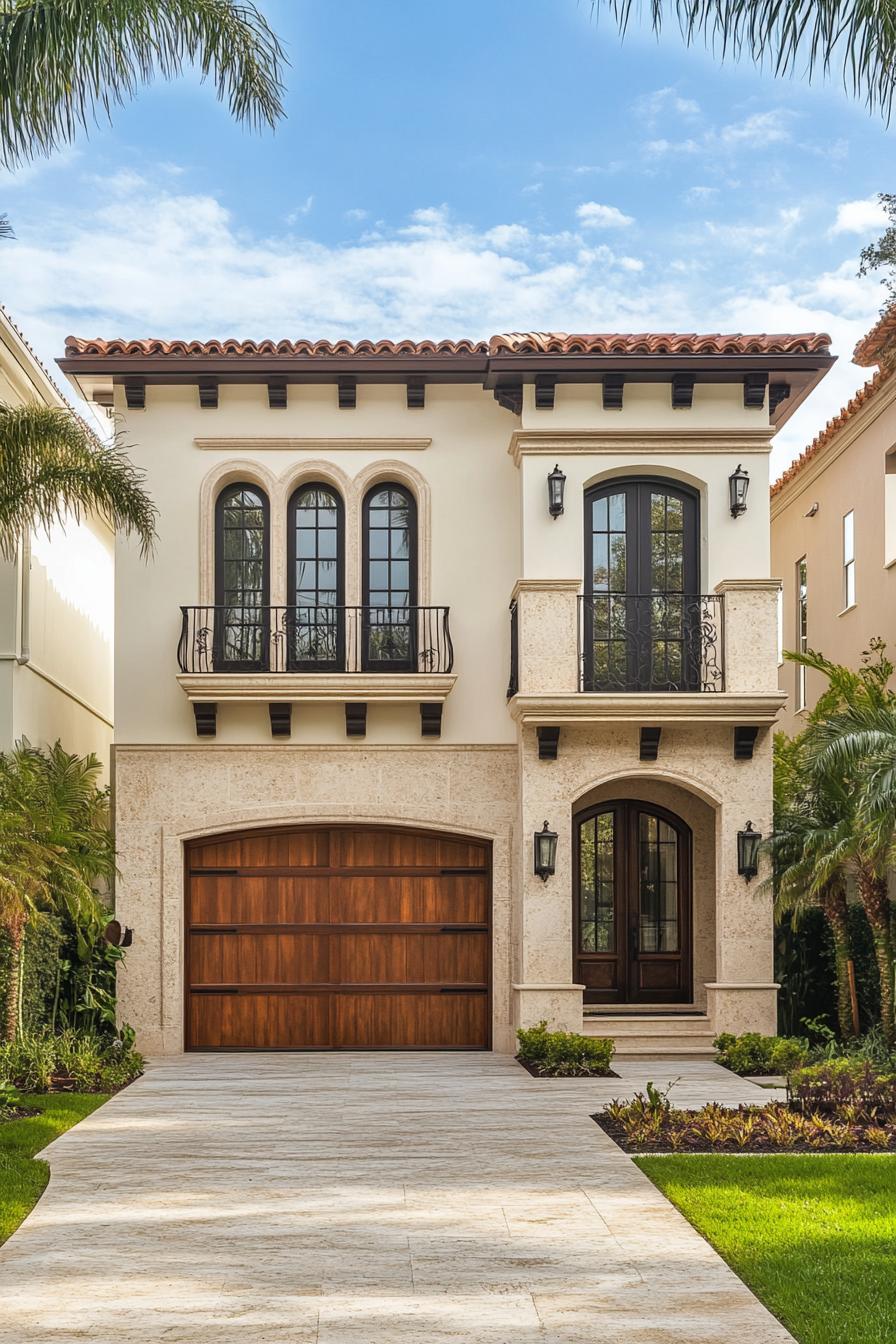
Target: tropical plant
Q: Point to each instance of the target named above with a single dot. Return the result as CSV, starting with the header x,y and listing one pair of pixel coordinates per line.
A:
x,y
65,63
753,1054
56,849
52,466
850,744
78,1061
811,810
817,37
564,1054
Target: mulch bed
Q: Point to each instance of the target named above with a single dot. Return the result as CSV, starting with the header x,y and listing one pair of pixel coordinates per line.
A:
x,y
697,1145
9,1113
556,1077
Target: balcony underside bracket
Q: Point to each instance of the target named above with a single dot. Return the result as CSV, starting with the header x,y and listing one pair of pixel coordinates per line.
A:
x,y
548,743
355,718
281,718
431,718
205,712
650,744
744,742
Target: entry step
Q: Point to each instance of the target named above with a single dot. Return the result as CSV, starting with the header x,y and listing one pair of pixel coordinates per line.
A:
x,y
654,1033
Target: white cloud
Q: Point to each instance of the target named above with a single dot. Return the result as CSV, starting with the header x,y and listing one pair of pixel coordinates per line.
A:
x,y
665,102
595,216
508,236
697,195
761,128
300,210
867,216
356,215
657,149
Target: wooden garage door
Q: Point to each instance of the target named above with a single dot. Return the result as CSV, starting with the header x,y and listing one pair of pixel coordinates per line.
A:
x,y
346,938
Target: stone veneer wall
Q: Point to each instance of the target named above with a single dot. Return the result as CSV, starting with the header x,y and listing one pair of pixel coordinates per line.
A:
x,y
166,795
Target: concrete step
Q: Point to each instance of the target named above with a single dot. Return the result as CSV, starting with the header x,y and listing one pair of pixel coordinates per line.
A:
x,y
659,1034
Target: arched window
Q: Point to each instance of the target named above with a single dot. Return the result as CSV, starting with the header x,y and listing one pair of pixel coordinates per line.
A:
x,y
389,635
242,578
643,611
632,904
316,583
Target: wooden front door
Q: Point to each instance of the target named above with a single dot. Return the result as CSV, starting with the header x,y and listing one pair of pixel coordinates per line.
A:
x,y
632,904
338,937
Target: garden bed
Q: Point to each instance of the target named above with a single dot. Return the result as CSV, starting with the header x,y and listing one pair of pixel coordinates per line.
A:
x,y
690,1138
538,1072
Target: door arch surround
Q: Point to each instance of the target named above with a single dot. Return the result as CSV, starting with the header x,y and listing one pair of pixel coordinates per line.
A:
x,y
632,898
330,935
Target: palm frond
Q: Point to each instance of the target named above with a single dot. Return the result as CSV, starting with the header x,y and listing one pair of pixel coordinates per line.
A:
x,y
66,63
855,39
51,466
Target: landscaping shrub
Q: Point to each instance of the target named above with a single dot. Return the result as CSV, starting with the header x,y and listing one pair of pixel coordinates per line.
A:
x,y
75,1061
564,1054
43,945
852,1088
760,1055
643,1125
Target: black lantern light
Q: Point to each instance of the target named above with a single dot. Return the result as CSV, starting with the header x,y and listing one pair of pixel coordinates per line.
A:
x,y
748,842
738,485
556,484
545,852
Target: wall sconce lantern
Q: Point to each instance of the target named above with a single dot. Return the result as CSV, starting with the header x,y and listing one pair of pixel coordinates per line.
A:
x,y
748,842
545,852
738,485
117,934
556,484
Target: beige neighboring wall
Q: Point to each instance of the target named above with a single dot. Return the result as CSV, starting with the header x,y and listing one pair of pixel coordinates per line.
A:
x,y
56,606
854,469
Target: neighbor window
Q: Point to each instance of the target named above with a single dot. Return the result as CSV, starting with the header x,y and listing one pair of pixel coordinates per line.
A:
x,y
849,559
802,628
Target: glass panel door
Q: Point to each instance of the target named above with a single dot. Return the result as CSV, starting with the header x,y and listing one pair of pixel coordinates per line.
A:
x,y
241,579
315,621
390,580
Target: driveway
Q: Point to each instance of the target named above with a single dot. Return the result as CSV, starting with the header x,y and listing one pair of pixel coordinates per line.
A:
x,y
367,1199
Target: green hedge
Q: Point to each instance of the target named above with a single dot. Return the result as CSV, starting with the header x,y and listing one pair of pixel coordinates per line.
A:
x,y
804,967
43,947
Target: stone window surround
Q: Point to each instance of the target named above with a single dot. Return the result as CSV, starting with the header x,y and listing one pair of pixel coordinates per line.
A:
x,y
279,490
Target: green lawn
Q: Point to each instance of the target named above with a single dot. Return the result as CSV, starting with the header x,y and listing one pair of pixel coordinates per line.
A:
x,y
813,1236
22,1179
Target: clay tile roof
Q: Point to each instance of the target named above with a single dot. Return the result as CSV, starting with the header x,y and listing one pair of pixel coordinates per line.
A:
x,y
833,427
521,343
879,345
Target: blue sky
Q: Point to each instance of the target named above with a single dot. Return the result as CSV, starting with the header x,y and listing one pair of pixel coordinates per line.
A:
x,y
484,166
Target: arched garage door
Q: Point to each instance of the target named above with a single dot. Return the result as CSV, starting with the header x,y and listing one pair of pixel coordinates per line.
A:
x,y
338,937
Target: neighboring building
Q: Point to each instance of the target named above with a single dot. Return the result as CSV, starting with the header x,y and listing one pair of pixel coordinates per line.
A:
x,y
834,532
327,794
56,605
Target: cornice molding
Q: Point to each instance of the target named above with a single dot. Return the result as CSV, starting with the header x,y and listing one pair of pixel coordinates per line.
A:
x,y
712,707
267,444
321,686
548,443
748,586
545,586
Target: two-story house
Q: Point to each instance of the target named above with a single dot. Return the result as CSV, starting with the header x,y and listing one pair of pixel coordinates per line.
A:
x,y
445,704
56,603
834,531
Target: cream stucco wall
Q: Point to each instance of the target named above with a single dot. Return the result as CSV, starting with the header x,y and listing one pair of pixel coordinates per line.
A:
x,y
56,608
856,471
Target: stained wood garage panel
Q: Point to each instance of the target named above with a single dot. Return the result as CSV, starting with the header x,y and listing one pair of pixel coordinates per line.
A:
x,y
338,938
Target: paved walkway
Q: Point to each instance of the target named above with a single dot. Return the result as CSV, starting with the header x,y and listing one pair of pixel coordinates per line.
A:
x,y
367,1199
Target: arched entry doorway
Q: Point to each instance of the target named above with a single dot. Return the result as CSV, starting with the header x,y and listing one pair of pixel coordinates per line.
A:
x,y
632,903
338,937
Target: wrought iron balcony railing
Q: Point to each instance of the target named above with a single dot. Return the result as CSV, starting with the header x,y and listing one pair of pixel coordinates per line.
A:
x,y
314,639
656,642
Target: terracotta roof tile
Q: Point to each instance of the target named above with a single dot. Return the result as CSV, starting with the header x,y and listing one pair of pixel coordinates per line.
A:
x,y
879,345
833,427
535,342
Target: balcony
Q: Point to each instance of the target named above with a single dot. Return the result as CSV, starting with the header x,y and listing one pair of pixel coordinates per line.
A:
x,y
285,654
655,659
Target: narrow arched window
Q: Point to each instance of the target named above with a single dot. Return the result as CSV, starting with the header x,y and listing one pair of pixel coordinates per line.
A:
x,y
242,578
390,578
316,584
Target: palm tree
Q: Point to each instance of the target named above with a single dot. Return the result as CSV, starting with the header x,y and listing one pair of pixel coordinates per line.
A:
x,y
856,38
56,849
51,466
808,866
850,742
65,63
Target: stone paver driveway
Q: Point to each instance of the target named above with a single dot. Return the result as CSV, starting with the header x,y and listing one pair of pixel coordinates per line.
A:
x,y
367,1199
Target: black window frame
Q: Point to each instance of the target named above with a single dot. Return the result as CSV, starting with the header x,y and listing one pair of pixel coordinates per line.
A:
x,y
220,661
337,662
370,663
632,620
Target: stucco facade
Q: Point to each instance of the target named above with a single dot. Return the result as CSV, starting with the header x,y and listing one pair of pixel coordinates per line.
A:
x,y
56,606
505,761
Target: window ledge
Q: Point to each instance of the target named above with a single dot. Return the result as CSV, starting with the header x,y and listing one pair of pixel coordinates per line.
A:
x,y
334,686
852,606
